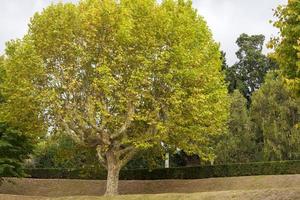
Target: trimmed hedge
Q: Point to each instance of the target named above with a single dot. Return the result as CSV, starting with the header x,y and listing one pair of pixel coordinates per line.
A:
x,y
61,173
200,172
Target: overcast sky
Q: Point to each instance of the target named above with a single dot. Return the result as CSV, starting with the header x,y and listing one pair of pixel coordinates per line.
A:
x,y
226,18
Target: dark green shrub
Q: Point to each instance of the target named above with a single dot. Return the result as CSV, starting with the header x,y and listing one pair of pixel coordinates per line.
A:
x,y
249,169
61,151
15,147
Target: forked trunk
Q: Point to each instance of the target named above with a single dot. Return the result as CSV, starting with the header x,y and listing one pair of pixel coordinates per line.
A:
x,y
113,163
113,171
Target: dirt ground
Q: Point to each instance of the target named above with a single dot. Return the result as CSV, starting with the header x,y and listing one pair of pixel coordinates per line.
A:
x,y
269,194
61,187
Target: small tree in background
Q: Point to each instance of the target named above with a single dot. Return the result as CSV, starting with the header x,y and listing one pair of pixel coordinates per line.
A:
x,y
122,76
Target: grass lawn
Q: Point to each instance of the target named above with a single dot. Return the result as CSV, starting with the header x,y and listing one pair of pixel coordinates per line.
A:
x,y
283,187
270,194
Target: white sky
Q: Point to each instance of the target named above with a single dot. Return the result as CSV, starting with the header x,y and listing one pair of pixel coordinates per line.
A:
x,y
226,18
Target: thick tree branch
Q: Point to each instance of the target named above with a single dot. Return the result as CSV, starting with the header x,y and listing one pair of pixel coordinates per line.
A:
x,y
71,132
85,129
98,129
100,132
127,122
124,151
101,158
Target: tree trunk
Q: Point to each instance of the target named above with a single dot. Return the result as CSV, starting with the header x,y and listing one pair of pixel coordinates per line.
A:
x,y
113,171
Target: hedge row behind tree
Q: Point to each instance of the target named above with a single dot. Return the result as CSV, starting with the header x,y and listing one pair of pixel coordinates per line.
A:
x,y
230,170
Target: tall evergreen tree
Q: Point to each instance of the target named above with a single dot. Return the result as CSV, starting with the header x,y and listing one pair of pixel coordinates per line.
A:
x,y
248,73
275,116
238,145
224,61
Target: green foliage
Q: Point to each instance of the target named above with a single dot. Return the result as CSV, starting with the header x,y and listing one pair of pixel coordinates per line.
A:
x,y
20,98
238,146
15,147
65,173
275,114
230,170
61,151
224,61
287,46
248,73
120,76
149,158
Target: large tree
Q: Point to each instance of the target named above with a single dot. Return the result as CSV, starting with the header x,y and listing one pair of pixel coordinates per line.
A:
x,y
275,114
248,73
287,45
122,76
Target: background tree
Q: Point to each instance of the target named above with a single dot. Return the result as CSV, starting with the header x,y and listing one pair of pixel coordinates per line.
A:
x,y
15,147
150,158
21,105
61,151
248,73
287,45
224,61
122,76
275,115
18,125
230,76
238,145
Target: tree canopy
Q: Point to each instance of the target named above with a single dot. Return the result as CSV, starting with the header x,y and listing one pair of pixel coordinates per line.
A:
x,y
21,100
248,73
287,45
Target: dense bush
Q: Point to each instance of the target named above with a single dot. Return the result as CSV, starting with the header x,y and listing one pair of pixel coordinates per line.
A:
x,y
61,151
249,169
15,147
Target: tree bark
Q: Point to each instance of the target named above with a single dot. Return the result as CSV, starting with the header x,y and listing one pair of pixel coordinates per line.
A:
x,y
113,171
